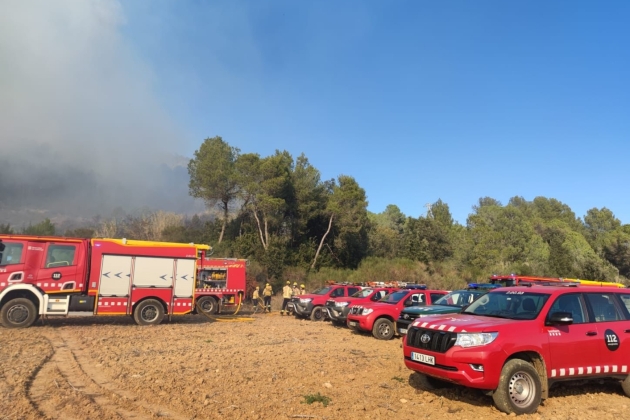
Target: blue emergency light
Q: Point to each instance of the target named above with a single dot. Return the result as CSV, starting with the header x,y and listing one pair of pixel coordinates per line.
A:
x,y
483,286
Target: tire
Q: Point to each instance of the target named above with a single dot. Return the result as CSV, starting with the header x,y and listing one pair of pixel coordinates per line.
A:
x,y
519,390
318,314
18,313
625,384
208,305
383,329
148,312
428,383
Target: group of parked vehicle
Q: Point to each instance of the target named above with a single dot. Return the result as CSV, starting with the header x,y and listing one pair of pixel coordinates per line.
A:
x,y
513,338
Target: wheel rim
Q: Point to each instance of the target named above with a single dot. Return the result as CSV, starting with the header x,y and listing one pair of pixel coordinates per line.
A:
x,y
149,313
522,389
17,314
317,314
207,306
384,330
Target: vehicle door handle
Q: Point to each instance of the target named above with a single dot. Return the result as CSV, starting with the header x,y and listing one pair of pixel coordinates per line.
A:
x,y
591,333
627,331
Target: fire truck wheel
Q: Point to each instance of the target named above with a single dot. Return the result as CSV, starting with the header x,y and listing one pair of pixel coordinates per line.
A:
x,y
148,312
18,313
317,314
383,329
208,305
519,390
625,384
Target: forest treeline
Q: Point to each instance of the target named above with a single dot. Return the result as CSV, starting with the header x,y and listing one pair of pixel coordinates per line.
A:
x,y
277,212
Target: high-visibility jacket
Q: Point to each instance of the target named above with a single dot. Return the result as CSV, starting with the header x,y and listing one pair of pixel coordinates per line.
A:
x,y
296,291
255,295
287,291
268,291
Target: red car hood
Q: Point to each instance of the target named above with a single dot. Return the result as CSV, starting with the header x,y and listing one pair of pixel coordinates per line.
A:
x,y
464,323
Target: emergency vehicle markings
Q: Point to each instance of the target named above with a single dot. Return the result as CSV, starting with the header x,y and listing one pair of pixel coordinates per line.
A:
x,y
439,327
589,370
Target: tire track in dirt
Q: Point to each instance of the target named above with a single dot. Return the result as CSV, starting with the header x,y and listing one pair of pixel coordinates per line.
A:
x,y
140,409
64,386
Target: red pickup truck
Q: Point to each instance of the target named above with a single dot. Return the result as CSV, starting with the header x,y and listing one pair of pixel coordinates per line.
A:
x,y
339,307
312,304
379,317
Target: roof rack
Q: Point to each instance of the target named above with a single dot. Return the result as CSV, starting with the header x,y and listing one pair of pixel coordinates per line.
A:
x,y
483,286
416,286
549,283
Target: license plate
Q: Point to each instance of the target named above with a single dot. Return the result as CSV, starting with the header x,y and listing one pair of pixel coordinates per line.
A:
x,y
402,330
353,323
423,358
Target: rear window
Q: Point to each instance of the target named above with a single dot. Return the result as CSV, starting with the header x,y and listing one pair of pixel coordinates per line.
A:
x,y
12,253
509,305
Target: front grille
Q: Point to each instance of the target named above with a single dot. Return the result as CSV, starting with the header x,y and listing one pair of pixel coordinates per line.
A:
x,y
408,317
439,341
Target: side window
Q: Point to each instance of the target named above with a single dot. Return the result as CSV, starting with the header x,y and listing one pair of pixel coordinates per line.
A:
x,y
603,307
12,254
625,299
416,299
352,290
570,303
435,296
60,255
337,292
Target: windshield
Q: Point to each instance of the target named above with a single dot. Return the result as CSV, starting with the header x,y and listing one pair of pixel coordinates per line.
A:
x,y
394,297
362,293
322,291
509,304
459,298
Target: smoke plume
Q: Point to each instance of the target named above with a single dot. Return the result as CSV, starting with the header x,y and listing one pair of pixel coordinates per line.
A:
x,y
81,131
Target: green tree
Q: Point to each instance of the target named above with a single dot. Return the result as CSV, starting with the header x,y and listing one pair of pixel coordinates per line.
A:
x,y
599,222
213,175
43,228
347,210
441,213
6,229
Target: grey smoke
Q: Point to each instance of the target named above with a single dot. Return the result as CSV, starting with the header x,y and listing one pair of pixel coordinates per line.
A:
x,y
81,130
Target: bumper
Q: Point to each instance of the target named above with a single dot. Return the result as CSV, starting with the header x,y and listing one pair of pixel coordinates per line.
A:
x,y
402,325
303,309
359,323
474,368
337,314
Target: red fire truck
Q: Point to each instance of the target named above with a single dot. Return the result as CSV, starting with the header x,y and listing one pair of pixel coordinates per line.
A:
x,y
51,276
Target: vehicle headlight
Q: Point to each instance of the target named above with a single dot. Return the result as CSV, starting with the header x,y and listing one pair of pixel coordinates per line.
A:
x,y
307,300
367,311
341,304
475,339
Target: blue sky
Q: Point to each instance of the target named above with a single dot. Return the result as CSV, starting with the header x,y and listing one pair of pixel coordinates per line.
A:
x,y
417,100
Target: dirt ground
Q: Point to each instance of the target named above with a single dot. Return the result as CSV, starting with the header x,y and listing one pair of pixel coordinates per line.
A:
x,y
190,368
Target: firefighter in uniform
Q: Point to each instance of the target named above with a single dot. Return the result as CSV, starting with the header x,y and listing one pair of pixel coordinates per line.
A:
x,y
267,297
302,289
296,289
286,297
255,298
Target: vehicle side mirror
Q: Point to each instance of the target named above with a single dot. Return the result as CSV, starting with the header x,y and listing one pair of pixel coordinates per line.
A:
x,y
1,246
560,318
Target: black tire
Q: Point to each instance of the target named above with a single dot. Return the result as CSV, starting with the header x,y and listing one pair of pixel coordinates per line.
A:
x,y
625,384
519,390
318,314
383,329
208,305
18,313
148,312
428,383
